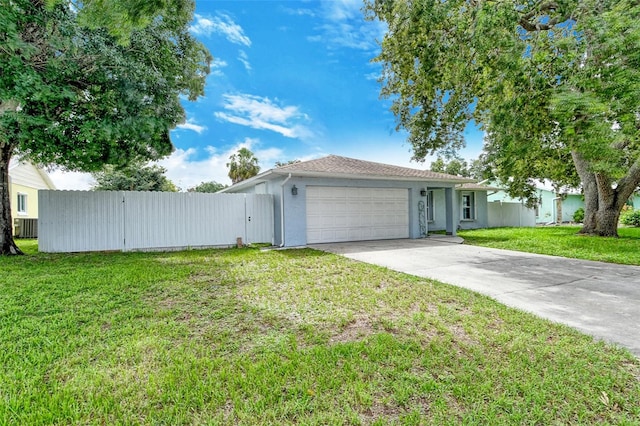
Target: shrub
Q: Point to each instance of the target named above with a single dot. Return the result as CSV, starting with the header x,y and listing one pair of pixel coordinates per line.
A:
x,y
630,217
578,215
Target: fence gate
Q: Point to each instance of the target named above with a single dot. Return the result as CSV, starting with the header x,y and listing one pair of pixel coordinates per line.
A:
x,y
502,214
259,218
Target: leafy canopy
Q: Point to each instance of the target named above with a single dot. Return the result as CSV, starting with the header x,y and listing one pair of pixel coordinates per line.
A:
x,y
555,85
457,167
84,84
210,187
76,97
135,176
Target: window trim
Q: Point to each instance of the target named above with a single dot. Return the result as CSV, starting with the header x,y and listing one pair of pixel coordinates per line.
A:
x,y
471,207
21,205
429,210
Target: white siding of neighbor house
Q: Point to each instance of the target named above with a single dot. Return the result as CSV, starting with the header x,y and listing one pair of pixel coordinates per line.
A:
x,y
26,174
75,221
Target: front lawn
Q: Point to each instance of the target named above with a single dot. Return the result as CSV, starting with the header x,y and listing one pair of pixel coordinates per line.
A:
x,y
561,241
248,337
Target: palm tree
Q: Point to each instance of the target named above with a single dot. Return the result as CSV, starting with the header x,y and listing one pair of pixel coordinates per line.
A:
x,y
242,165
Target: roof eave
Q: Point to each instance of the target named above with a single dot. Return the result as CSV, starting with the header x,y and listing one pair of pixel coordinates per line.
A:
x,y
248,182
300,173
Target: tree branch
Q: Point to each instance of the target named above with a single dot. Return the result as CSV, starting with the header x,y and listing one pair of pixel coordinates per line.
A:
x,y
532,26
629,182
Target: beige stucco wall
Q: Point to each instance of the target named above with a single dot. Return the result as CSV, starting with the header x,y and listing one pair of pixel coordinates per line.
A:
x,y
25,178
32,201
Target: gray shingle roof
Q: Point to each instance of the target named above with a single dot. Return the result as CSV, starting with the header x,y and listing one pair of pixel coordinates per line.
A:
x,y
334,164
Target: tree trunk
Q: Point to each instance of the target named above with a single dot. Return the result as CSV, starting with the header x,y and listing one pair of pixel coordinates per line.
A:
x,y
590,188
7,245
607,219
604,198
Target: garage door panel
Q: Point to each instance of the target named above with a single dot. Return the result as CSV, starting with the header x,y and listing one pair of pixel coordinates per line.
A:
x,y
352,214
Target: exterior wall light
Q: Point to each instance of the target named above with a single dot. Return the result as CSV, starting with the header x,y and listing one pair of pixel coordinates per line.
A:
x,y
294,190
423,192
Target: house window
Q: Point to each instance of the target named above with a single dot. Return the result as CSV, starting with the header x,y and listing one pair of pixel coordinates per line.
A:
x,y
429,206
468,206
22,203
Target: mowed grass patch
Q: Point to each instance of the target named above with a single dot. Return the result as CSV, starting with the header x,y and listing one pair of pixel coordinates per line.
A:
x,y
561,241
246,336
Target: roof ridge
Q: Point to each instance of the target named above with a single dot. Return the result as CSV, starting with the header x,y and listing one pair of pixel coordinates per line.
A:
x,y
352,166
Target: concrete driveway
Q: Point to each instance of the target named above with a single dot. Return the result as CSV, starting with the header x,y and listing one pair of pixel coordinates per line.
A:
x,y
600,299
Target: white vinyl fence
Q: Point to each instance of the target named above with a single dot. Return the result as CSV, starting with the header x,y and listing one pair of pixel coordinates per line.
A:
x,y
77,221
501,214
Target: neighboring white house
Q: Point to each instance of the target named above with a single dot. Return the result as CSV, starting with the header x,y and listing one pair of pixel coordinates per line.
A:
x,y
25,180
546,211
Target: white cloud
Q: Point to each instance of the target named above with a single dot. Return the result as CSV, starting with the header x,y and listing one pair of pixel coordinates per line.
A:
x,y
191,125
216,67
268,156
372,76
71,180
186,171
221,24
218,63
345,27
185,167
244,58
340,10
298,11
262,113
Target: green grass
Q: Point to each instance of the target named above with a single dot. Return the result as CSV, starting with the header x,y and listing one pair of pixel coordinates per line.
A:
x,y
248,337
561,241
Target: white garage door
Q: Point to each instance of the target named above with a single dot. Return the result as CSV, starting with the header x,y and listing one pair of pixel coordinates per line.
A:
x,y
355,214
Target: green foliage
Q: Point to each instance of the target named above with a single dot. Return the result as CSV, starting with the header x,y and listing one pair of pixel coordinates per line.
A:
x,y
546,80
294,337
81,99
630,218
77,96
242,165
578,215
123,17
459,167
285,163
210,187
561,241
438,165
135,176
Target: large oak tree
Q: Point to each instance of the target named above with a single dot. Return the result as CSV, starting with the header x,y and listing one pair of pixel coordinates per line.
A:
x,y
555,84
81,88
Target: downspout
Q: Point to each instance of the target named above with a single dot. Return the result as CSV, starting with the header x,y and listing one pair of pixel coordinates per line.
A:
x,y
282,210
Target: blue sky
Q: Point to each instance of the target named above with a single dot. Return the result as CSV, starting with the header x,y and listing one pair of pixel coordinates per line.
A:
x,y
290,80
